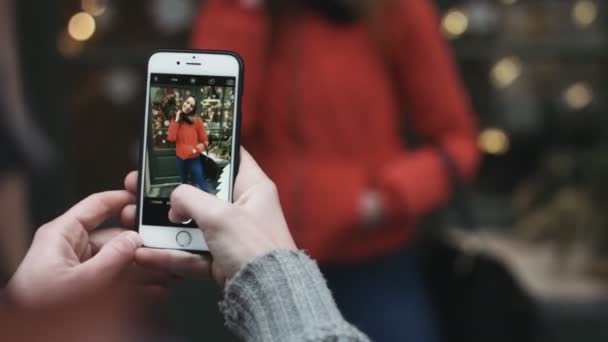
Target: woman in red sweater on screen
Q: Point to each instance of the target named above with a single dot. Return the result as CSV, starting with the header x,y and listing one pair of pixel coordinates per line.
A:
x,y
190,137
325,88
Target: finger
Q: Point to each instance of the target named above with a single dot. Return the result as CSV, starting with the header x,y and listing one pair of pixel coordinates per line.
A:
x,y
113,258
99,238
249,174
178,263
97,208
178,217
128,216
207,210
131,182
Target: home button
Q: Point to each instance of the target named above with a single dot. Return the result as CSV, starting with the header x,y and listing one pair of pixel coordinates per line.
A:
x,y
183,238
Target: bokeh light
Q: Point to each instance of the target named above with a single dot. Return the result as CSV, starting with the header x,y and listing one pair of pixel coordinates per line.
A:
x,y
455,23
81,26
578,95
494,141
584,13
506,71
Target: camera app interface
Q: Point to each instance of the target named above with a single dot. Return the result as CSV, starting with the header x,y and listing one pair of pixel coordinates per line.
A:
x,y
188,140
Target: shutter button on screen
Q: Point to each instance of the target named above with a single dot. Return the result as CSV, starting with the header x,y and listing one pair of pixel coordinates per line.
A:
x,y
183,238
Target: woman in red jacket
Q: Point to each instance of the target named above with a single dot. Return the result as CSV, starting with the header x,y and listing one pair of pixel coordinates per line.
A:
x,y
326,85
190,137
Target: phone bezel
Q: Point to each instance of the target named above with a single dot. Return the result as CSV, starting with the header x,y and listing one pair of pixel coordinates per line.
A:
x,y
181,62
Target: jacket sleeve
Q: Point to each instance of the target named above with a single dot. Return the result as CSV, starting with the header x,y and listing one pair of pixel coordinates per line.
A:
x,y
227,25
172,133
414,182
437,108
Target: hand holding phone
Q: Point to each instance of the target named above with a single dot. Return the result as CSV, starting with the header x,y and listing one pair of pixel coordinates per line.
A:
x,y
195,85
237,233
71,262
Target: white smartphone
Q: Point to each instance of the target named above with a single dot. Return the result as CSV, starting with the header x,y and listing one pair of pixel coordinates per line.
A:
x,y
190,136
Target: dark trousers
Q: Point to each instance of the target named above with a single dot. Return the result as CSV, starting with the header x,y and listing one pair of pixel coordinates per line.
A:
x,y
194,166
385,298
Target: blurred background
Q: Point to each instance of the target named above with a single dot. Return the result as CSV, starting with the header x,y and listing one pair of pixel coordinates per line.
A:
x,y
536,72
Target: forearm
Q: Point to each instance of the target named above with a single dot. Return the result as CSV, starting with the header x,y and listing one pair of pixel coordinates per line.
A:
x,y
418,182
282,296
172,132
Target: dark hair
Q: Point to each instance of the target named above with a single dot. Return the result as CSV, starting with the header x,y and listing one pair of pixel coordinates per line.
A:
x,y
183,117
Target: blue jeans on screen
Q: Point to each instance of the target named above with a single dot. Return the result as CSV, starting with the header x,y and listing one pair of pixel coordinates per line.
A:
x,y
194,166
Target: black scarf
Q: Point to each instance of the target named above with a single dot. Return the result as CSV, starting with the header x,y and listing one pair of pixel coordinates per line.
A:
x,y
337,11
342,12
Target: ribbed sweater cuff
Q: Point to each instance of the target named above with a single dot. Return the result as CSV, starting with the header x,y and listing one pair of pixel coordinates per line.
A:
x,y
282,296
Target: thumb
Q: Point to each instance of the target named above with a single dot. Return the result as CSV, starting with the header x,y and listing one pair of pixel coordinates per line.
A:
x,y
113,258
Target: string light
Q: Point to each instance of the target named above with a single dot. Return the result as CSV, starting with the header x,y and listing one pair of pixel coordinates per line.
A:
x,y
455,23
578,95
81,26
494,141
584,13
506,71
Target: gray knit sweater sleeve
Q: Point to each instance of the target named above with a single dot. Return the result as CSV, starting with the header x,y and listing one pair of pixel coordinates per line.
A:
x,y
283,297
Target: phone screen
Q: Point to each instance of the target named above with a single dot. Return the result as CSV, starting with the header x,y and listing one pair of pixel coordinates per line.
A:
x,y
189,140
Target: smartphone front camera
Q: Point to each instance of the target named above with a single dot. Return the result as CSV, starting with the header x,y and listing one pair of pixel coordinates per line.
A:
x,y
178,63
